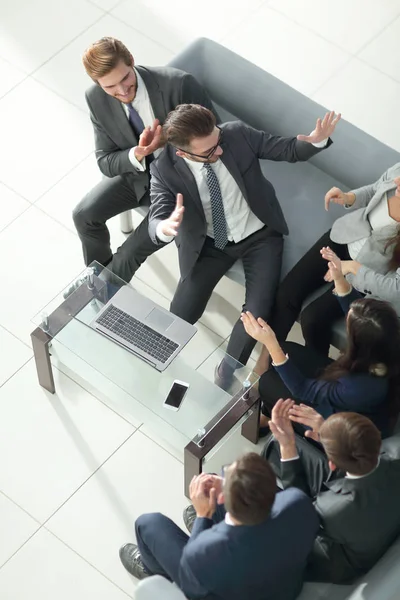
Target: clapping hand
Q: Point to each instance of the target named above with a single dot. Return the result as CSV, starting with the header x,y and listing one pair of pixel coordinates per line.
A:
x,y
258,329
323,129
171,225
334,264
203,495
301,413
150,140
282,428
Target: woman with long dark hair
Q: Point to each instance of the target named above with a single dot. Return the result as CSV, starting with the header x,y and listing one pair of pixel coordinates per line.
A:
x,y
364,379
367,242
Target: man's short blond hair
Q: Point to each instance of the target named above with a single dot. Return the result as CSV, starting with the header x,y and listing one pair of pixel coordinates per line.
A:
x,y
103,56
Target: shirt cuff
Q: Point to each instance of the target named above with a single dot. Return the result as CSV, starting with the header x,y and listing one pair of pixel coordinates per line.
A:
x,y
274,364
321,144
139,165
289,459
345,294
161,236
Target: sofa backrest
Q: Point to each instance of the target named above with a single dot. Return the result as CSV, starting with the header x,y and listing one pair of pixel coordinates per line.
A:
x,y
267,103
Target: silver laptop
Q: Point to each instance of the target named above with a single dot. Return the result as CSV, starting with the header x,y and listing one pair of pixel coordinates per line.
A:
x,y
144,328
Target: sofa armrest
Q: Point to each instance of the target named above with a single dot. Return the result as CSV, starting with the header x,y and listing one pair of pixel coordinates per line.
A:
x,y
157,587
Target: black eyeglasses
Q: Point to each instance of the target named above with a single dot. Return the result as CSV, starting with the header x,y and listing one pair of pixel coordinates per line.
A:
x,y
211,151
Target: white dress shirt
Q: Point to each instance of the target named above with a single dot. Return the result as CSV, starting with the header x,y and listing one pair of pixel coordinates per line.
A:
x,y
379,217
348,475
240,220
141,103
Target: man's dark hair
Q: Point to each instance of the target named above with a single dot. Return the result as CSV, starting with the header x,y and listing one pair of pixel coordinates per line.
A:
x,y
250,489
352,442
186,122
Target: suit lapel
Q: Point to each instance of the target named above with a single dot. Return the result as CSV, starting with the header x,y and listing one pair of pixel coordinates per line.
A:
x,y
230,163
118,116
383,189
190,183
155,94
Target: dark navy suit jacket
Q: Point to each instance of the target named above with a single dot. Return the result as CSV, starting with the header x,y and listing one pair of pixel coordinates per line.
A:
x,y
363,393
259,562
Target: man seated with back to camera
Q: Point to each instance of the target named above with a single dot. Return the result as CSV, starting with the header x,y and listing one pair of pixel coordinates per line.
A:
x,y
255,546
355,486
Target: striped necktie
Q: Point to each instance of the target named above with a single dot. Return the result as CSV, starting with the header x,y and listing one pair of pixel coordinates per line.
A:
x,y
217,208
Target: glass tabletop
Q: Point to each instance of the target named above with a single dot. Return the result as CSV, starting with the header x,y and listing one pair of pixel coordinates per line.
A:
x,y
68,320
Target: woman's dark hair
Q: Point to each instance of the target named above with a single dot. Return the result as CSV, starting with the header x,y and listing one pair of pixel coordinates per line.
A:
x,y
373,344
393,245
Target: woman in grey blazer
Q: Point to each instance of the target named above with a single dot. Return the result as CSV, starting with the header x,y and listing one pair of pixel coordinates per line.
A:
x,y
366,240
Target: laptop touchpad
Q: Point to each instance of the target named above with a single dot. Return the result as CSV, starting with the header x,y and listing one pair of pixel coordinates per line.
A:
x,y
158,319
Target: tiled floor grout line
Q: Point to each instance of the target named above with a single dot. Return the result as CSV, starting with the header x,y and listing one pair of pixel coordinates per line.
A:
x,y
16,372
87,561
158,444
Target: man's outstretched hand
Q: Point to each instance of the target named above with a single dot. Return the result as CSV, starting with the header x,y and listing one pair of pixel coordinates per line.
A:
x,y
323,129
171,225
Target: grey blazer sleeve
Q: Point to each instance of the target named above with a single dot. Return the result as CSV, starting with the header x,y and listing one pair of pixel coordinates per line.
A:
x,y
367,192
112,161
273,147
162,202
386,287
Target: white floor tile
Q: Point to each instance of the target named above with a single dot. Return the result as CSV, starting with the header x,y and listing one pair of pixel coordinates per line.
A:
x,y
304,61
16,528
45,258
176,23
65,73
9,76
361,104
140,477
53,443
56,135
382,53
31,32
350,25
13,356
105,4
12,205
61,199
45,568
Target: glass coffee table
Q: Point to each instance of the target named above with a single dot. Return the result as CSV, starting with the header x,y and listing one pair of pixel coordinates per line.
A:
x,y
208,413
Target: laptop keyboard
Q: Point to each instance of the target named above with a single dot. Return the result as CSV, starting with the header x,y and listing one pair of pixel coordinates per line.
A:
x,y
137,333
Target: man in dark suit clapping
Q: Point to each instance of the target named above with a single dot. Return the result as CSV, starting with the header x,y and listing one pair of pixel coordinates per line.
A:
x,y
355,486
257,548
127,103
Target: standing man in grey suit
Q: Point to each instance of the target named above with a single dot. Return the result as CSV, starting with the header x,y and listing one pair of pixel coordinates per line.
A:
x,y
355,486
127,103
208,192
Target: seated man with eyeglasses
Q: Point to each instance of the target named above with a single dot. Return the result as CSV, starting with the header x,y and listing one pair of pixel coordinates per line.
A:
x,y
209,194
256,546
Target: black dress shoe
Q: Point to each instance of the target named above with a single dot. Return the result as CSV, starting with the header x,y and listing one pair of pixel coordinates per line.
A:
x,y
189,517
221,381
132,561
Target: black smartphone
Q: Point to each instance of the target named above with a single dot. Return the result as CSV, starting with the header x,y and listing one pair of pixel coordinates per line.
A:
x,y
176,395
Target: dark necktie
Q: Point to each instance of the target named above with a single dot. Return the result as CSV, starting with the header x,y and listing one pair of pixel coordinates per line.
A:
x,y
217,209
138,126
135,120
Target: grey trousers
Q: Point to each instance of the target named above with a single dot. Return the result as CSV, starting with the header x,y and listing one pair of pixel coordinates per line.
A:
x,y
261,254
109,198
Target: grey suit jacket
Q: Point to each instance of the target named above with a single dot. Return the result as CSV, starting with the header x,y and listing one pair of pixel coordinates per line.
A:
x,y
374,277
242,148
360,518
114,137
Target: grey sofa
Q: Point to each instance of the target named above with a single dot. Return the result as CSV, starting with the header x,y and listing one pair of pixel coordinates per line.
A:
x,y
240,90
